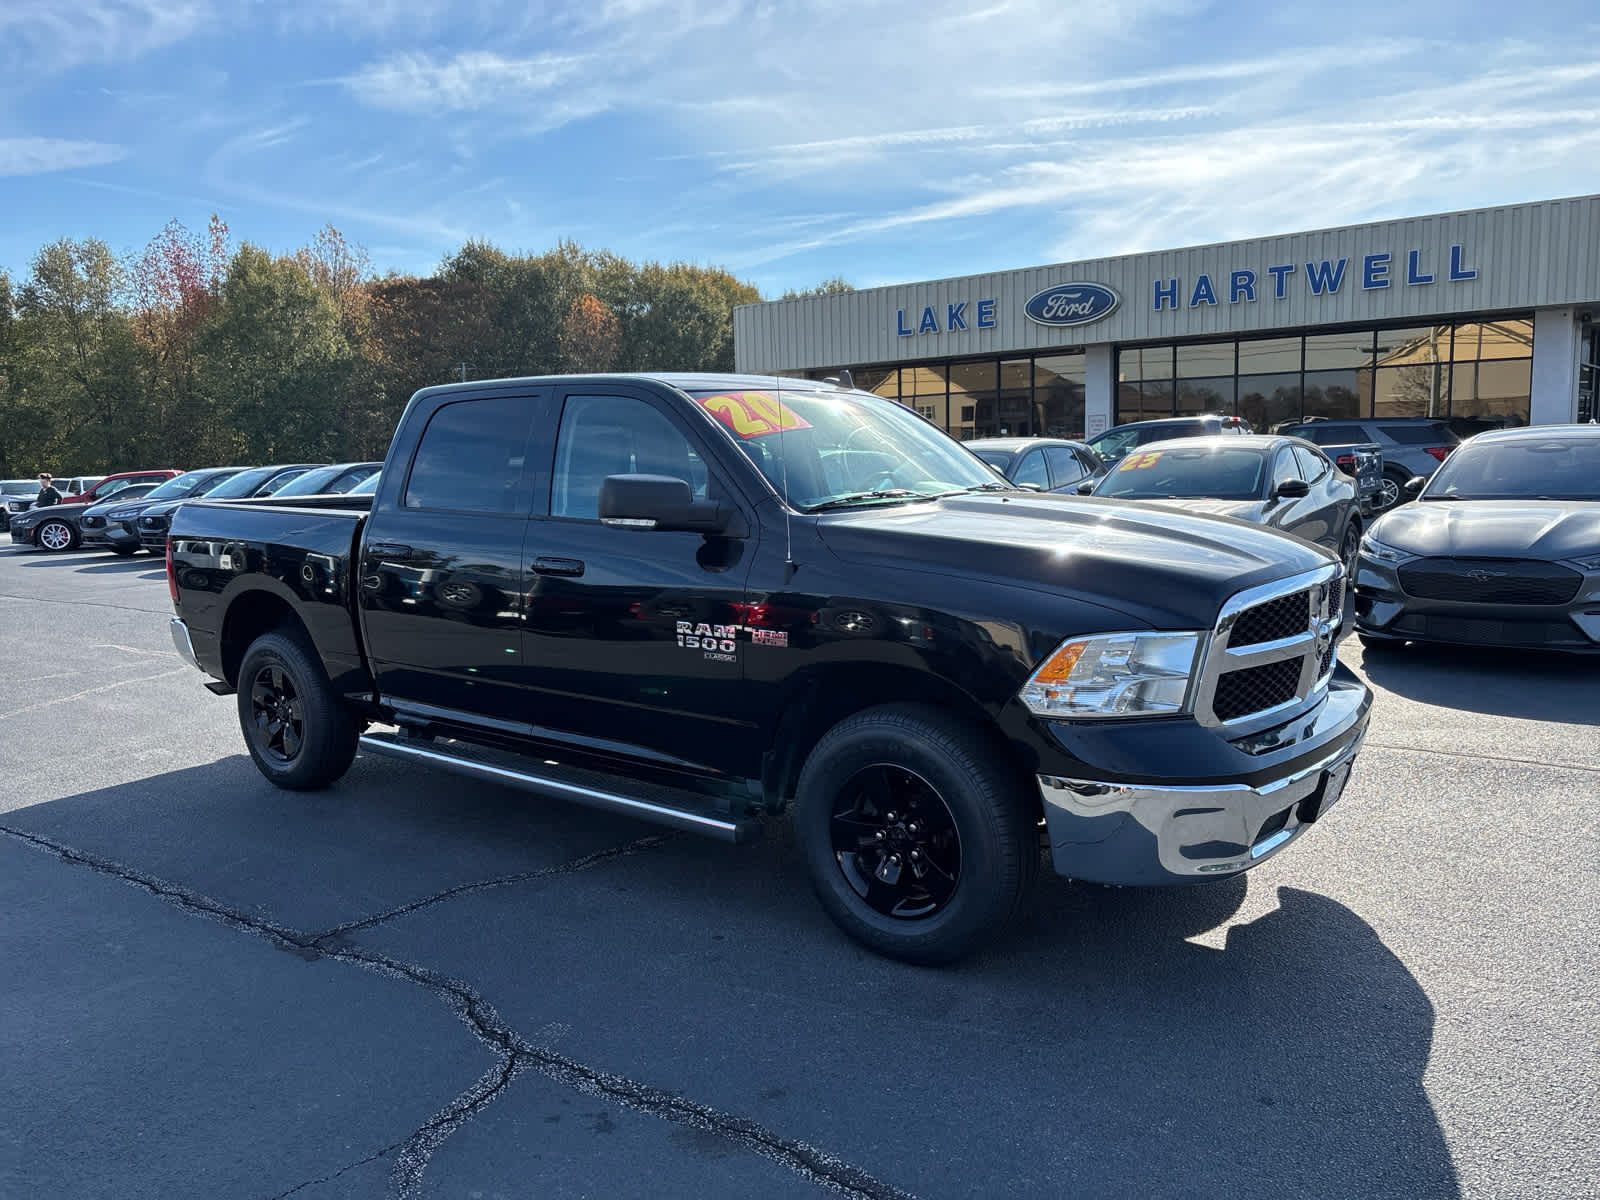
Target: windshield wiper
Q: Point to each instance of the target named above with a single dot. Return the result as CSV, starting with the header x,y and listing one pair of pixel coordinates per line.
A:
x,y
985,487
858,497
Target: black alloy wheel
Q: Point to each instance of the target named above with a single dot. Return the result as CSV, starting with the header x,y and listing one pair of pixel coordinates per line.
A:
x,y
277,724
919,834
1350,550
299,731
896,842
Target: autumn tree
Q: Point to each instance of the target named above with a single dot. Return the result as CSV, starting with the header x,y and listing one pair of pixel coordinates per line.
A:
x,y
275,357
591,335
175,285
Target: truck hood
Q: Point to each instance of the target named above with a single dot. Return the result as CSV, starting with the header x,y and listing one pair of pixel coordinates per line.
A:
x,y
1547,529
1166,569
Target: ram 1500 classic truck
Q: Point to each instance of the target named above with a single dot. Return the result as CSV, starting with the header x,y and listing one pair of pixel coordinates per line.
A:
x,y
701,599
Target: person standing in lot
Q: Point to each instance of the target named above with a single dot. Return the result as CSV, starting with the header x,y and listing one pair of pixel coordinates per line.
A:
x,y
47,491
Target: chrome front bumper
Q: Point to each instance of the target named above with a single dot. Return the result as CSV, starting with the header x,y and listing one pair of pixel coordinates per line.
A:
x,y
180,639
1157,833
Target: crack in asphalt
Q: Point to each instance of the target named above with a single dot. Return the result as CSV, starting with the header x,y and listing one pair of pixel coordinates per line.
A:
x,y
513,1053
638,846
346,1169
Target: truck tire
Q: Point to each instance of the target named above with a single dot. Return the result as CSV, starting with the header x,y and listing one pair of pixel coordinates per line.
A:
x,y
915,834
299,732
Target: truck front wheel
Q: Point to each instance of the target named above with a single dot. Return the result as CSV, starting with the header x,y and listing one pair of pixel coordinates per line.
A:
x,y
914,834
300,734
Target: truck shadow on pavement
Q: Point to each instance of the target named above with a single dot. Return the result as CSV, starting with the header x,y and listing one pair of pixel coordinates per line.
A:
x,y
97,564
1528,684
1095,1051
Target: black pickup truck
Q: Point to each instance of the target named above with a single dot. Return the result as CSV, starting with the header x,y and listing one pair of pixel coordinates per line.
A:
x,y
704,599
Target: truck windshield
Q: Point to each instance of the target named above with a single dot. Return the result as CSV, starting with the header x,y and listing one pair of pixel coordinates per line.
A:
x,y
838,447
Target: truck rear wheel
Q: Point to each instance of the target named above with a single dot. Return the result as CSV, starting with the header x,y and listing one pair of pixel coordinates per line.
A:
x,y
915,837
299,732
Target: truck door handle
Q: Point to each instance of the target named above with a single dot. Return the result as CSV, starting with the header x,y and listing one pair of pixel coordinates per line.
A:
x,y
390,549
558,566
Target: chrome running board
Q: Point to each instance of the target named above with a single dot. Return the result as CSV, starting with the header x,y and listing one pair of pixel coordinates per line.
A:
x,y
674,807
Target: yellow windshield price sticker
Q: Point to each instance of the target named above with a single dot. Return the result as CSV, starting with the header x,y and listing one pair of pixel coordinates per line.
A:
x,y
1136,462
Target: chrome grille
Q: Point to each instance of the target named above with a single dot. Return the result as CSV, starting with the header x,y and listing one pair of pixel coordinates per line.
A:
x,y
1273,647
1284,617
1240,693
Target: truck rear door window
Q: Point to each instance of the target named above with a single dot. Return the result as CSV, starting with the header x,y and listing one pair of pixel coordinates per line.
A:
x,y
472,458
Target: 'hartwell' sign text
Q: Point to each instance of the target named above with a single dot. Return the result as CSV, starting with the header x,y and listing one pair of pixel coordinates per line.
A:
x,y
1323,278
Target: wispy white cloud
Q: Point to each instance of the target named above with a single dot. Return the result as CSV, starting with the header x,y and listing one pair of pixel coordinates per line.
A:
x,y
39,37
481,79
40,156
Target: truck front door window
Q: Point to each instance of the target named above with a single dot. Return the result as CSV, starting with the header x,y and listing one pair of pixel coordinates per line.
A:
x,y
616,435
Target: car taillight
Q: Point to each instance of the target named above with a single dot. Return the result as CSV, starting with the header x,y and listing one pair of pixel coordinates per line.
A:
x,y
1439,452
172,576
1347,463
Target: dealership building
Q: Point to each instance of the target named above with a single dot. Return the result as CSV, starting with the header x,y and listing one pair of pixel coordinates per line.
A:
x,y
1483,318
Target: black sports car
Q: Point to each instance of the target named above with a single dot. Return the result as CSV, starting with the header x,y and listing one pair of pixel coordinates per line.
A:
x,y
1502,547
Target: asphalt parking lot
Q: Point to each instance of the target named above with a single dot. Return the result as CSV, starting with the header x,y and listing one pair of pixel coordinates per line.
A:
x,y
414,986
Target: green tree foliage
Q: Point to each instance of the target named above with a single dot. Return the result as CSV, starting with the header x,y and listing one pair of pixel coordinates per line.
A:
x,y
195,351
828,287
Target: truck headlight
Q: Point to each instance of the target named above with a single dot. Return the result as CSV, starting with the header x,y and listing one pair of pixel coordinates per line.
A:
x,y
1382,551
1115,675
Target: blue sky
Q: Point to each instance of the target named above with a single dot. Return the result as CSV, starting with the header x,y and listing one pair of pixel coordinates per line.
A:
x,y
786,141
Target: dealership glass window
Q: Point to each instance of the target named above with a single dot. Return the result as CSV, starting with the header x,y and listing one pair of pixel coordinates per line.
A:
x,y
1267,401
976,384
1205,360
1205,396
1413,346
1145,362
1509,338
1336,394
1264,356
1058,382
1333,351
1492,393
882,381
1420,390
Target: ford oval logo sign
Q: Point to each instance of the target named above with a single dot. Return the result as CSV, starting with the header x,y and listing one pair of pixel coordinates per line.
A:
x,y
1072,304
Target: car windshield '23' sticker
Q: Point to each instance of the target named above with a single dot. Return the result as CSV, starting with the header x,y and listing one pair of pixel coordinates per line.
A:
x,y
752,414
1137,462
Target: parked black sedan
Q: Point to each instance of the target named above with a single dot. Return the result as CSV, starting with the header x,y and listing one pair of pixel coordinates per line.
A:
x,y
1502,547
1053,464
333,480
1280,482
114,524
246,485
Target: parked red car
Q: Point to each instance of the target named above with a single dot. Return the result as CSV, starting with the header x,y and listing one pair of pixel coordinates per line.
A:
x,y
112,484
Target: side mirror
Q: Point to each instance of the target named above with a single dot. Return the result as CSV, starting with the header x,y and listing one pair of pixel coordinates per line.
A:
x,y
1415,484
1291,489
660,502
1086,488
